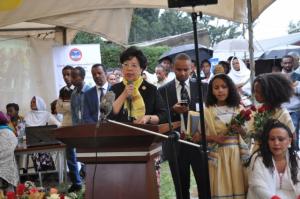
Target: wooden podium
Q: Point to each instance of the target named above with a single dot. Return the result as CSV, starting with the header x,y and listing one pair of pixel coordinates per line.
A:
x,y
124,166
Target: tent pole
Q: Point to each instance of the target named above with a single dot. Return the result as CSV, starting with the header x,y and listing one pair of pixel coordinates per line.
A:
x,y
251,50
204,170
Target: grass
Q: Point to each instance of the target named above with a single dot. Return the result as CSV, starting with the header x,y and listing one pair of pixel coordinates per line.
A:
x,y
167,190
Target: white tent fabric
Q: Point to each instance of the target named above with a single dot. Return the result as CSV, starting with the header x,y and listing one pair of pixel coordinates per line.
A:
x,y
112,18
26,70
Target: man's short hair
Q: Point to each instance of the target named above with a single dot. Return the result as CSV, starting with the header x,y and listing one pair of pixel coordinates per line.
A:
x,y
99,65
67,67
13,105
182,56
288,57
160,66
205,61
81,71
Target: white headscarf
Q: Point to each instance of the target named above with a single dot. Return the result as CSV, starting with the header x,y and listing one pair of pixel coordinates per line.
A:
x,y
40,116
241,76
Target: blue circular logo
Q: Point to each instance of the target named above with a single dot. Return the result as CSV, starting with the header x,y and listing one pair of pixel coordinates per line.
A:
x,y
75,54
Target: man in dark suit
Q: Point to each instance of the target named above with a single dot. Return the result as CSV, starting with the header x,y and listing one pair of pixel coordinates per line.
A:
x,y
93,96
182,96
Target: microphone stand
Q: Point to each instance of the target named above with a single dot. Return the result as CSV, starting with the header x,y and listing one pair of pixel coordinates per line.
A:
x,y
205,172
174,149
152,132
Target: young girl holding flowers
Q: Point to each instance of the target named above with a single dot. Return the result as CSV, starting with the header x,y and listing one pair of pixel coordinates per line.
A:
x,y
270,90
224,119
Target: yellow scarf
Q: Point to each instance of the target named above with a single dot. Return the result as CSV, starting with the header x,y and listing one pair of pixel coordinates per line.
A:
x,y
138,106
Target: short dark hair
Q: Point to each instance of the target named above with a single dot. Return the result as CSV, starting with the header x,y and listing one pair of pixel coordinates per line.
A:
x,y
131,52
182,56
287,56
67,67
225,65
99,65
166,58
276,88
13,105
81,71
233,99
205,61
266,154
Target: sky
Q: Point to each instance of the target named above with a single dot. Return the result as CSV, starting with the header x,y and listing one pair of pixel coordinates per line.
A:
x,y
274,21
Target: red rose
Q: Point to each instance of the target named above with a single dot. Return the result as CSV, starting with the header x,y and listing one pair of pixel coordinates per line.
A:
x,y
275,197
11,195
253,108
248,117
261,109
20,189
242,113
62,196
248,112
298,197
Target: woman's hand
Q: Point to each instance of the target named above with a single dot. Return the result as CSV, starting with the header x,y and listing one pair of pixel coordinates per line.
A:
x,y
143,120
238,129
128,91
147,119
219,139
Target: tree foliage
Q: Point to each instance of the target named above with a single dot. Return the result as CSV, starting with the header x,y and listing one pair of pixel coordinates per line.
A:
x,y
110,52
149,24
294,27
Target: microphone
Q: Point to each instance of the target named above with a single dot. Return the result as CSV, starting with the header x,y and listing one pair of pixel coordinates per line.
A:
x,y
106,104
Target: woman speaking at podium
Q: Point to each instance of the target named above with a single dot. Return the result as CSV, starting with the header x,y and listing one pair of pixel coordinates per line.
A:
x,y
137,100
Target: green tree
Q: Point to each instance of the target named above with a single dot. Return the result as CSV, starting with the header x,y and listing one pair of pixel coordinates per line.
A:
x,y
294,27
219,30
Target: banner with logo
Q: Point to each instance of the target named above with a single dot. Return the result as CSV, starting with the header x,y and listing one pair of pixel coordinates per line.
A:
x,y
84,55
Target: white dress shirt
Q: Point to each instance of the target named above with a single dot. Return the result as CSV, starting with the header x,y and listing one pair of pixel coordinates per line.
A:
x,y
178,93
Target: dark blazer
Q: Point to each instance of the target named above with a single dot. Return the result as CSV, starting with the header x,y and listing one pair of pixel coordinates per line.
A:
x,y
91,105
153,102
169,91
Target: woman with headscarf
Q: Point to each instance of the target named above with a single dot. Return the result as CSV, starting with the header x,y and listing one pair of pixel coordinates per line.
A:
x,y
39,116
240,75
9,176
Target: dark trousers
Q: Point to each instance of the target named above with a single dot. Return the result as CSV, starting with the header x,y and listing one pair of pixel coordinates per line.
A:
x,y
73,167
187,156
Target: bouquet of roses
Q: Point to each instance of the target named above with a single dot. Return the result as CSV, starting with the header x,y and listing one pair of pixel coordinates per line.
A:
x,y
238,120
261,116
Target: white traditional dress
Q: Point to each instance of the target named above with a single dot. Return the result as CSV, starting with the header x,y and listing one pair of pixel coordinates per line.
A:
x,y
227,173
265,183
8,166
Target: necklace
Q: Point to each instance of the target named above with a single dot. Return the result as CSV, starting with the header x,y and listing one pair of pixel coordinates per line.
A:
x,y
280,180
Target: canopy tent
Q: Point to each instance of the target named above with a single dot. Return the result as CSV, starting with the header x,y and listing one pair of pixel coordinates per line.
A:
x,y
112,18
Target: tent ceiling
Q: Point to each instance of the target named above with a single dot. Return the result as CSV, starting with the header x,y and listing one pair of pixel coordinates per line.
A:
x,y
112,18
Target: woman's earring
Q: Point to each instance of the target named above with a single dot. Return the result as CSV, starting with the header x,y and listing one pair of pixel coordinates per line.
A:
x,y
289,146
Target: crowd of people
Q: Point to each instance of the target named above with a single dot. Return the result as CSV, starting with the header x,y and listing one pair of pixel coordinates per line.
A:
x,y
251,154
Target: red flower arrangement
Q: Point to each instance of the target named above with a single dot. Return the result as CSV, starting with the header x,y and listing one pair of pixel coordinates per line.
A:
x,y
261,116
239,120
